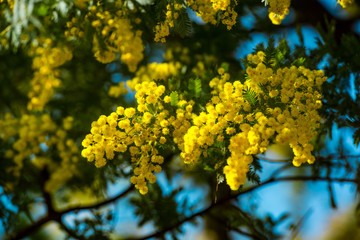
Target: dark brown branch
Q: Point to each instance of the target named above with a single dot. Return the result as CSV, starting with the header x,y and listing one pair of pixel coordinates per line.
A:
x,y
328,157
245,233
336,156
332,197
44,177
100,204
281,169
248,190
31,229
274,160
331,192
54,215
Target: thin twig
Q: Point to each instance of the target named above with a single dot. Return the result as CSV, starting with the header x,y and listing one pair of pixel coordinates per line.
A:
x,y
331,156
261,158
297,227
100,204
281,169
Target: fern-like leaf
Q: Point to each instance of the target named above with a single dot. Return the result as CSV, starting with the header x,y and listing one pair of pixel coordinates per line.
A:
x,y
182,25
174,96
251,96
198,88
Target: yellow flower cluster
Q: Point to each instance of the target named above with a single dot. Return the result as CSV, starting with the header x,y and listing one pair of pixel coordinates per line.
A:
x,y
209,9
162,29
220,4
154,71
210,126
181,122
345,3
68,152
117,90
217,84
11,3
81,3
182,54
119,37
241,119
74,29
115,31
27,136
278,10
138,132
206,9
46,60
178,53
150,72
285,112
164,71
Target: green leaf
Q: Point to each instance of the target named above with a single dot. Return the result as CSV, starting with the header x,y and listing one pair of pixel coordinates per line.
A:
x,y
174,98
195,87
198,88
300,34
42,10
283,47
182,25
252,176
160,10
256,164
263,88
250,96
191,85
356,137
225,66
151,108
280,56
299,62
270,53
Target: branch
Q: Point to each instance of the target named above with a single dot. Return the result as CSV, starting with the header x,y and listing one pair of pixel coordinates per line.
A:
x,y
231,228
245,233
31,229
281,169
56,215
337,156
328,157
248,190
297,227
261,158
100,204
51,212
